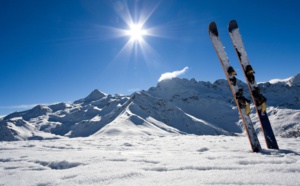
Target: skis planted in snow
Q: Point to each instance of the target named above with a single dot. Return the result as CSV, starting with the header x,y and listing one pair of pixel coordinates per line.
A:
x,y
258,99
237,93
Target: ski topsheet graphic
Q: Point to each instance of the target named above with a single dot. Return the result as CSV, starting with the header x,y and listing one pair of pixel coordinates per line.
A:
x,y
258,99
241,102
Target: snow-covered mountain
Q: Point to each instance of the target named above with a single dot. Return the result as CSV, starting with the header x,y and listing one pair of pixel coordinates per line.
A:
x,y
176,106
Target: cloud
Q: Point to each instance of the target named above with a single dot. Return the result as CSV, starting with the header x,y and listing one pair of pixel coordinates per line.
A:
x,y
171,75
29,106
134,90
5,110
19,106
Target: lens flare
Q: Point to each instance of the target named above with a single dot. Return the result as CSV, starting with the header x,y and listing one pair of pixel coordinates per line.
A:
x,y
133,20
136,32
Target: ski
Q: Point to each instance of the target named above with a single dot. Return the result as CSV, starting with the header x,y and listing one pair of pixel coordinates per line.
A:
x,y
258,99
243,104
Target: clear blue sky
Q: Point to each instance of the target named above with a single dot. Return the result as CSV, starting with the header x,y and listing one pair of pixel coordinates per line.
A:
x,y
60,50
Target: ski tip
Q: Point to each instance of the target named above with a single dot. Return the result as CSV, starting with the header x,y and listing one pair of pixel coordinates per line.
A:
x,y
232,25
213,28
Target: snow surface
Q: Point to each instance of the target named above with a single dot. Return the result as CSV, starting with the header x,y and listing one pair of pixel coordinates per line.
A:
x,y
148,160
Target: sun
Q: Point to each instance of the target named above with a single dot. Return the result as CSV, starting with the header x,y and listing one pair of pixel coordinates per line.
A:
x,y
136,32
135,29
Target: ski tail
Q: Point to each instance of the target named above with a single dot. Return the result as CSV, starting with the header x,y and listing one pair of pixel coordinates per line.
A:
x,y
268,131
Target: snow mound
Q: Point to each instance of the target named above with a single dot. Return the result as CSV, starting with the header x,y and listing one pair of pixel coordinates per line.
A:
x,y
59,165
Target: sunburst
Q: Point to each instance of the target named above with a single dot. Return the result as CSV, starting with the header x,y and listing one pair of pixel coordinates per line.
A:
x,y
136,30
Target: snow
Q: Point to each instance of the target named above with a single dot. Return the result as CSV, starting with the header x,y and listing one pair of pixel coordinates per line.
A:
x,y
176,106
148,160
95,95
274,81
291,81
181,132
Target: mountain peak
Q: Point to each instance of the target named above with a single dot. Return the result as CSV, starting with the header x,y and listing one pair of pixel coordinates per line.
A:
x,y
36,111
97,93
179,106
291,81
93,96
177,86
295,81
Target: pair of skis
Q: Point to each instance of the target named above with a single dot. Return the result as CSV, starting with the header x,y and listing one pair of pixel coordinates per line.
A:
x,y
243,104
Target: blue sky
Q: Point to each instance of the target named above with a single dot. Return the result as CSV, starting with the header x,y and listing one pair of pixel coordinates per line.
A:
x,y
60,50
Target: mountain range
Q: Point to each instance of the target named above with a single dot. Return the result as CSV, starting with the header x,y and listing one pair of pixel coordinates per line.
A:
x,y
175,106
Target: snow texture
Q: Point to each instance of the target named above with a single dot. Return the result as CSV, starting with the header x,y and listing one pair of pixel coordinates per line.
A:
x,y
148,160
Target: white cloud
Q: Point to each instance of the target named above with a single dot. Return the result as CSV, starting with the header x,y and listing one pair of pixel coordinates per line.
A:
x,y
19,106
171,75
29,106
15,108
